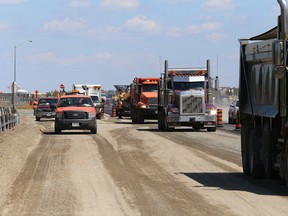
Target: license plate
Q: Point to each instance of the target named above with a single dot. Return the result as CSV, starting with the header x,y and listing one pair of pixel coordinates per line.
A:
x,y
192,120
75,125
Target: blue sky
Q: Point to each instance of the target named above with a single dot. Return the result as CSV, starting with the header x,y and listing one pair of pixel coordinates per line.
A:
x,y
110,42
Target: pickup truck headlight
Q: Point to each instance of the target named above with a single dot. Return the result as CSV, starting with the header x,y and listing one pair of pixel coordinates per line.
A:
x,y
91,115
213,112
59,115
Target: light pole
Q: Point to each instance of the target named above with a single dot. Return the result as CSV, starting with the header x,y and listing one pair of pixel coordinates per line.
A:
x,y
14,80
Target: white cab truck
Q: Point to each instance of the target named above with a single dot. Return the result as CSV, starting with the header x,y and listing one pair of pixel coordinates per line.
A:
x,y
94,91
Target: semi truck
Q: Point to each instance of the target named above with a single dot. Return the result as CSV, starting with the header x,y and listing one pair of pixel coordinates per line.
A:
x,y
122,93
94,91
184,98
263,97
144,99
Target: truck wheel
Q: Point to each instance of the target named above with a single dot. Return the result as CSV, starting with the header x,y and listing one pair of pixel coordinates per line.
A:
x,y
286,165
134,120
98,116
57,130
37,118
267,150
256,167
93,131
245,135
160,120
211,129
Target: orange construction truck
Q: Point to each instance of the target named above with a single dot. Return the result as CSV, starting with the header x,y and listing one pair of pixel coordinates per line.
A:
x,y
144,99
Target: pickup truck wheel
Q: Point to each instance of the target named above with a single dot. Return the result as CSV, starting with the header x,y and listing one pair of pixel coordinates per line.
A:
x,y
37,118
93,131
57,130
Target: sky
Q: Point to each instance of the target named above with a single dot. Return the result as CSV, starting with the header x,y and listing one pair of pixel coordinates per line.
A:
x,y
110,42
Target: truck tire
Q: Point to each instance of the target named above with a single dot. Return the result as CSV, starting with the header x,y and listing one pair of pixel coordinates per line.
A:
x,y
93,131
57,130
256,167
267,150
211,129
160,120
286,164
133,116
245,134
37,118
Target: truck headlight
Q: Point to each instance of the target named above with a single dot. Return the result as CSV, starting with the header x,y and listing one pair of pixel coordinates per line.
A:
x,y
91,115
59,115
213,112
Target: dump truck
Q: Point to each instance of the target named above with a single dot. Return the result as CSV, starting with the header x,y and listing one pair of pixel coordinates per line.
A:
x,y
94,91
184,99
144,99
263,97
122,92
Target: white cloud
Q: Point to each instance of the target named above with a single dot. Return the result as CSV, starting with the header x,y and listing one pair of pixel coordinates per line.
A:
x,y
142,23
12,1
5,27
193,29
79,3
51,58
120,3
219,4
64,25
176,1
104,31
217,37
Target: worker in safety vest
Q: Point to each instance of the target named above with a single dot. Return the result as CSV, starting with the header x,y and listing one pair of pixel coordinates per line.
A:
x,y
120,108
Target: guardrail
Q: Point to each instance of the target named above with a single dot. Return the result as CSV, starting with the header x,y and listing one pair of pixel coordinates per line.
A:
x,y
9,118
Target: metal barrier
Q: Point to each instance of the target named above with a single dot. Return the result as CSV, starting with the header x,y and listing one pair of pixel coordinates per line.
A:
x,y
8,118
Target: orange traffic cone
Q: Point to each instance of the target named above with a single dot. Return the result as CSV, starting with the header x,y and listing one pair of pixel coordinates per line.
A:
x,y
219,118
113,114
238,125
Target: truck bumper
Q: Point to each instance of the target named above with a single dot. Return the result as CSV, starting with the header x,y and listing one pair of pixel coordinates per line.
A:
x,y
151,113
75,124
204,120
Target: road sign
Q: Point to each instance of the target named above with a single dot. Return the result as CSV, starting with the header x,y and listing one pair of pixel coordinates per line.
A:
x,y
62,86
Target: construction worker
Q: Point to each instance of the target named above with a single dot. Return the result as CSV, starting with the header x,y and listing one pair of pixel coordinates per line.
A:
x,y
120,108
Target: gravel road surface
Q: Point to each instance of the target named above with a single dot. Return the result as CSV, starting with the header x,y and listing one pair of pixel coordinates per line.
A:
x,y
129,169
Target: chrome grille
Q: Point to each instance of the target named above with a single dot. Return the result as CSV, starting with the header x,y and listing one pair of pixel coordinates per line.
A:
x,y
75,115
192,104
152,101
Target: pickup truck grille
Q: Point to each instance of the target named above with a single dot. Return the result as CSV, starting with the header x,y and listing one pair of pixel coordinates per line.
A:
x,y
75,115
191,104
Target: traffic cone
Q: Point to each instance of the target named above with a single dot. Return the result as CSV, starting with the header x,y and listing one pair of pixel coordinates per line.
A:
x,y
113,114
219,118
238,125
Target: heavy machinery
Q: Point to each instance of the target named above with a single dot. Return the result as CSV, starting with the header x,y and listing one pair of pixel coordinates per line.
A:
x,y
144,99
184,98
263,100
122,92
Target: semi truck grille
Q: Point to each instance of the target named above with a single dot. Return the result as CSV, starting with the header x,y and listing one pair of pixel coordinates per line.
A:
x,y
192,104
152,101
75,115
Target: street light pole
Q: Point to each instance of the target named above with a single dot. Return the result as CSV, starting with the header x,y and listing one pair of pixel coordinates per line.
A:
x,y
14,80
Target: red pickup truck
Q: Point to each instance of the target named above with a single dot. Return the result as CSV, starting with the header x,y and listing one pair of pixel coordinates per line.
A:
x,y
75,112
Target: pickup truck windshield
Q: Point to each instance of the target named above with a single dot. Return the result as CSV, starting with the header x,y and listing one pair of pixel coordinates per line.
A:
x,y
80,102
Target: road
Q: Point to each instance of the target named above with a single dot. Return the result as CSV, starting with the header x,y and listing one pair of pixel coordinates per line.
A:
x,y
129,169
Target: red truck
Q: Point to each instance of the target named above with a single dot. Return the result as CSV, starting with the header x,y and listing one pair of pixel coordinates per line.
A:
x,y
144,99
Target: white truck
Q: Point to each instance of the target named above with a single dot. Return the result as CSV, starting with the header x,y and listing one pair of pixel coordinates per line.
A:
x,y
94,91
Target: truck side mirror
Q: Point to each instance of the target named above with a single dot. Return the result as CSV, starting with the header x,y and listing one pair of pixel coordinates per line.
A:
x,y
277,59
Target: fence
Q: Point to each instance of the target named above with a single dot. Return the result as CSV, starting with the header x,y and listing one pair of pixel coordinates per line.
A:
x,y
8,118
